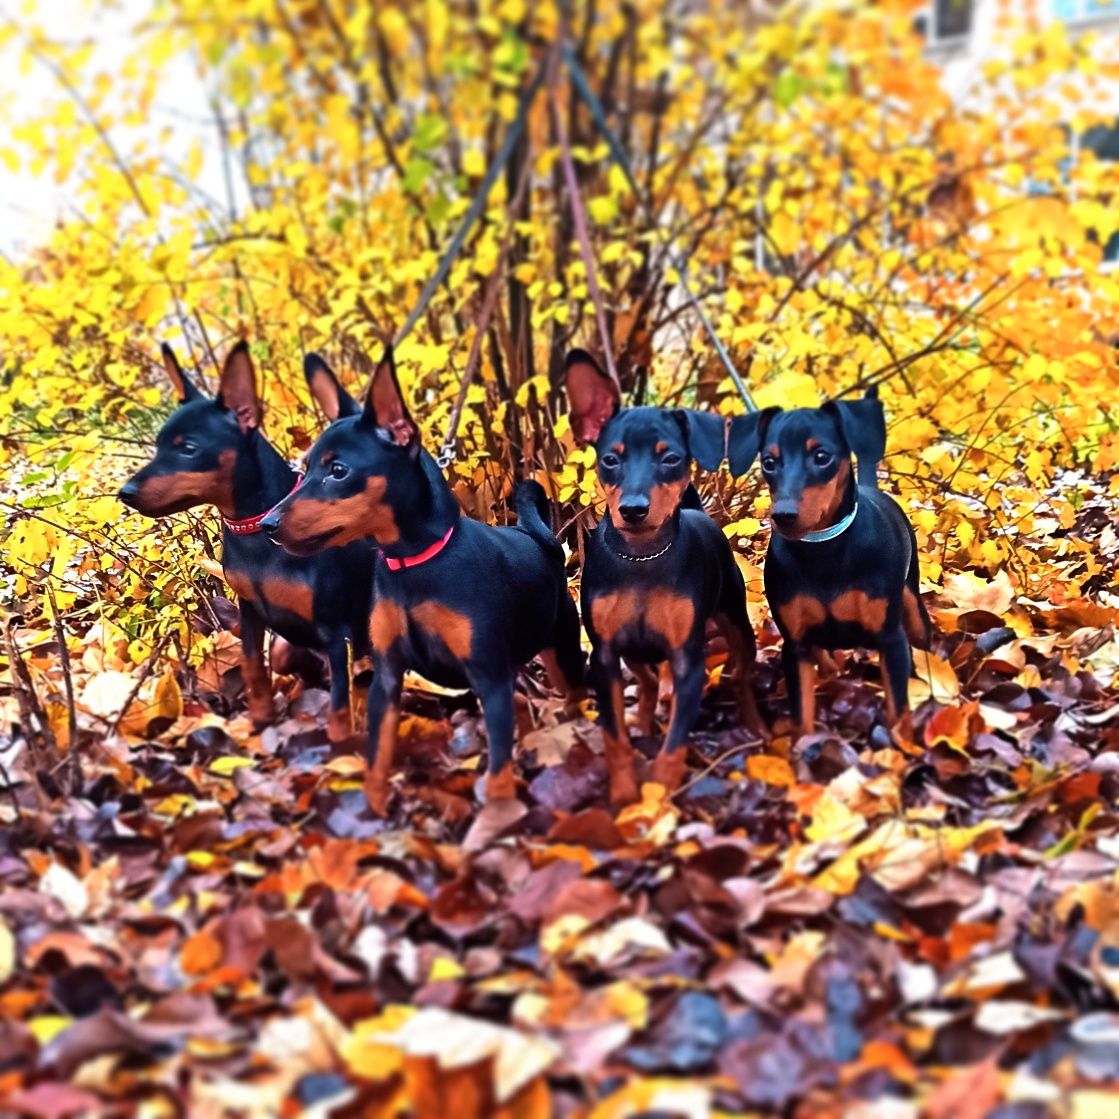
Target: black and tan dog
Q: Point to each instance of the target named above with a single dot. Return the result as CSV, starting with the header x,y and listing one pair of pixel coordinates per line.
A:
x,y
211,451
841,568
463,603
657,569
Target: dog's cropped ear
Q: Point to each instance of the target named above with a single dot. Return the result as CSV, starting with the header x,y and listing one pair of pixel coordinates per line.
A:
x,y
185,389
237,390
592,395
384,405
863,423
745,437
707,436
331,397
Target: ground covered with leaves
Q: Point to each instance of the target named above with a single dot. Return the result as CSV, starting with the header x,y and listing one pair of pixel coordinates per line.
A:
x,y
205,921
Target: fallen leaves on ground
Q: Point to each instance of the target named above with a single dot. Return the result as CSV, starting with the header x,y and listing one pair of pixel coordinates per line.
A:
x,y
852,924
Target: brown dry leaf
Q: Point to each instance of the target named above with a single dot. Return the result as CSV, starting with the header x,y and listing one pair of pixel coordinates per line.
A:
x,y
971,592
968,1094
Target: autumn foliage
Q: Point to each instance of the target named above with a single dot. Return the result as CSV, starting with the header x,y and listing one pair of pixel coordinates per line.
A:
x,y
196,919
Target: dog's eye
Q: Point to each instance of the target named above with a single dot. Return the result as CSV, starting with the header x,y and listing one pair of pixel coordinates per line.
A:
x,y
187,448
671,459
821,457
769,464
610,460
339,470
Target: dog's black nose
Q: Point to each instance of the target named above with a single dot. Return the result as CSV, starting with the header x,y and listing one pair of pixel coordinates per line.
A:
x,y
129,494
634,509
271,523
784,513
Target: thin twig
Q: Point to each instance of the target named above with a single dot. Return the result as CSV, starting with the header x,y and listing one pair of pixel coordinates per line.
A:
x,y
715,765
145,672
68,681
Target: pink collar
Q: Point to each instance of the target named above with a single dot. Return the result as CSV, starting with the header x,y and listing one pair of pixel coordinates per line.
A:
x,y
394,563
250,526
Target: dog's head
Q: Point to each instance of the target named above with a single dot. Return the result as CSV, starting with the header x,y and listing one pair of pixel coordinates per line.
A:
x,y
644,455
806,457
197,449
361,472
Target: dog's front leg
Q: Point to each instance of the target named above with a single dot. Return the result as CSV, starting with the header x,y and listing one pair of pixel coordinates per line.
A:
x,y
896,663
612,719
258,680
689,674
384,720
339,724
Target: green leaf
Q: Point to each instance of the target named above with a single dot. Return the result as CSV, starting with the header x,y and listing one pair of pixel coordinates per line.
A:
x,y
416,173
431,129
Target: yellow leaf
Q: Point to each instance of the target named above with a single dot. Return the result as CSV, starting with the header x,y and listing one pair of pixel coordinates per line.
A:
x,y
444,967
770,769
227,764
833,821
936,679
46,1027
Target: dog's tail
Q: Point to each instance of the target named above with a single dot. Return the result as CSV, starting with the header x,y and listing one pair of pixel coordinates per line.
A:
x,y
534,514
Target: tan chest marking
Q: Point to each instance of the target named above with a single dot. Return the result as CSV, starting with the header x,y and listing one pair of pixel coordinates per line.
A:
x,y
455,630
387,622
241,584
665,612
611,613
859,607
801,613
672,615
289,594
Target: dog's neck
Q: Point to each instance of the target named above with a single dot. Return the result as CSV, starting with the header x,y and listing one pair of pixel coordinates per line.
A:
x,y
261,478
425,509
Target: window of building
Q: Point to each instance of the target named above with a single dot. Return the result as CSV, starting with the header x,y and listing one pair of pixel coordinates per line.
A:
x,y
945,21
951,18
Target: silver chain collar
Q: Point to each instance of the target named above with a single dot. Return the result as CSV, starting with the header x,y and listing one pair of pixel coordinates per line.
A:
x,y
644,559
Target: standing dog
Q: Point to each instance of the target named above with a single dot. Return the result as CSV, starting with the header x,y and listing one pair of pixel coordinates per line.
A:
x,y
841,569
657,569
212,452
463,603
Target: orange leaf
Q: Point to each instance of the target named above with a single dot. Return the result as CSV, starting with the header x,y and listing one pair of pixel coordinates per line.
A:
x,y
201,953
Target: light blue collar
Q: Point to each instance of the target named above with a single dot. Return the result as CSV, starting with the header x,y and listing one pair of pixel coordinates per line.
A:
x,y
837,529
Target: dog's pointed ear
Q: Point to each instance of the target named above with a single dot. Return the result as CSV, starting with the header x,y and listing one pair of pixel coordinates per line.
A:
x,y
384,404
863,423
592,395
707,436
325,387
237,390
185,389
744,438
